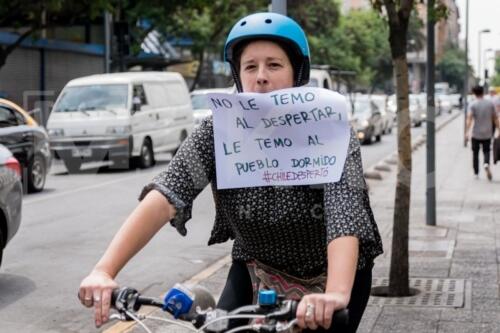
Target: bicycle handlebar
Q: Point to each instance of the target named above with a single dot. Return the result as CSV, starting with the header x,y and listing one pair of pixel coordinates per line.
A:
x,y
127,299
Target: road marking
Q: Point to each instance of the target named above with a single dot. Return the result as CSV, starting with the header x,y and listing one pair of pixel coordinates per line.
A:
x,y
122,327
81,189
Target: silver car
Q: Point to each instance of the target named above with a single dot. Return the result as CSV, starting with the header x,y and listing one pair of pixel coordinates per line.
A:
x,y
11,195
200,103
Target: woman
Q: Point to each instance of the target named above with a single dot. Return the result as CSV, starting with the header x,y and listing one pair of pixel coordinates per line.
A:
x,y
320,240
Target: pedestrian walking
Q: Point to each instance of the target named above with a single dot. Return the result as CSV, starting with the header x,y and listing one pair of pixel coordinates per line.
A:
x,y
483,120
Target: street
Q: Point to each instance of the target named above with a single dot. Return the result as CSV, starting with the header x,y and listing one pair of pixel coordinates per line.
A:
x,y
66,228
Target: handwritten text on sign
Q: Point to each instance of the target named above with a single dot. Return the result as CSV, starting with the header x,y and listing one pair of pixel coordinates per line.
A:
x,y
296,136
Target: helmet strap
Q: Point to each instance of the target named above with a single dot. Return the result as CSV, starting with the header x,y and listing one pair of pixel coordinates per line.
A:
x,y
299,74
236,77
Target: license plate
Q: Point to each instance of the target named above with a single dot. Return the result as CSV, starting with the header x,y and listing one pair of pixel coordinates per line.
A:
x,y
81,152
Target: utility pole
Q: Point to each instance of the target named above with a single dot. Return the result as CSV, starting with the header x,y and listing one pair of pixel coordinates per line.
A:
x,y
466,78
431,133
107,41
279,6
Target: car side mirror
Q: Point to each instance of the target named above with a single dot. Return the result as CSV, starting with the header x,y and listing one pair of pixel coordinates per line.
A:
x,y
136,106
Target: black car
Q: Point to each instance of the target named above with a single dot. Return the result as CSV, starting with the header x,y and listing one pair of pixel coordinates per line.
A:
x,y
11,194
29,143
367,120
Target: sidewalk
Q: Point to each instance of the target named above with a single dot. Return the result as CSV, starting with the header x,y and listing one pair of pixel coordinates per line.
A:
x,y
455,265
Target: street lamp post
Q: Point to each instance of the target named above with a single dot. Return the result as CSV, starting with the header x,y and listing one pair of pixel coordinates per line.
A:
x,y
484,31
466,79
430,121
279,6
485,61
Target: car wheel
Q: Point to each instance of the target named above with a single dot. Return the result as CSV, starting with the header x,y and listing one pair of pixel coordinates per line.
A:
x,y
147,158
72,164
182,138
378,137
36,174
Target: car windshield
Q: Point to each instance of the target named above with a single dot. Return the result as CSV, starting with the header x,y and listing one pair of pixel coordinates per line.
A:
x,y
95,97
362,107
199,102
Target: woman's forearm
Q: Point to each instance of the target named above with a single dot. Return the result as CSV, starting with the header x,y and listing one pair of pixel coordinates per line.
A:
x,y
342,263
152,213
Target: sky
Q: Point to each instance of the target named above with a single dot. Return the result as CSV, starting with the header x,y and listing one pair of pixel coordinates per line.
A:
x,y
483,14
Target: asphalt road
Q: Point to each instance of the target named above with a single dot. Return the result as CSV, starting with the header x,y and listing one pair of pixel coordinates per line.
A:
x,y
66,228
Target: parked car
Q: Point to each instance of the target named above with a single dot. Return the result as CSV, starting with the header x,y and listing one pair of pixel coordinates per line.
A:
x,y
388,117
121,117
29,143
366,120
320,78
444,103
199,101
11,195
418,109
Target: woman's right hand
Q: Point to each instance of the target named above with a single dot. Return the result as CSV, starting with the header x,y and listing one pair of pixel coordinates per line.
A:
x,y
95,291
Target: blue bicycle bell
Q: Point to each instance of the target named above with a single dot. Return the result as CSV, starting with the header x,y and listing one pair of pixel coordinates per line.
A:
x,y
178,301
267,297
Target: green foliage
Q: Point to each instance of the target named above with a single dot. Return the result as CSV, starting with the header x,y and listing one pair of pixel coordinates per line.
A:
x,y
416,37
207,23
495,81
317,17
356,42
451,67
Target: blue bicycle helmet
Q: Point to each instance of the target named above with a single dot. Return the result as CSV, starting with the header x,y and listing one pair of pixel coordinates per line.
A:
x,y
275,27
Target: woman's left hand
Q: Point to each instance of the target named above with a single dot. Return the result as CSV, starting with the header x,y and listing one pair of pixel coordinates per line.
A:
x,y
317,310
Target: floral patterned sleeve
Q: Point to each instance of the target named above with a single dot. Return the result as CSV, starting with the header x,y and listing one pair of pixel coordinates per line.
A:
x,y
187,174
347,207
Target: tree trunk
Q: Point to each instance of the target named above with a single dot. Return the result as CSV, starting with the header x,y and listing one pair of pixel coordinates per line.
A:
x,y
399,271
201,58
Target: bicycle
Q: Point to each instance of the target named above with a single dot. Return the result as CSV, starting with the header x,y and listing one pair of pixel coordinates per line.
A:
x,y
272,314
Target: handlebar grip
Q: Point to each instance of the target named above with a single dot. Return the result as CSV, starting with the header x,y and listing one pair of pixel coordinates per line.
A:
x,y
340,318
114,296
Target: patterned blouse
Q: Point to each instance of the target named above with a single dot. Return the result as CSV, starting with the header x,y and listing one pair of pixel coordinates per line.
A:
x,y
285,227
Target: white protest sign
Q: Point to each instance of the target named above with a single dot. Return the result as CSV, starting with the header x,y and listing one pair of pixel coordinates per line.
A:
x,y
296,136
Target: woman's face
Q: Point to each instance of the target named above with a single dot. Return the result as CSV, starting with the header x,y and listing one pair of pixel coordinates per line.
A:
x,y
265,67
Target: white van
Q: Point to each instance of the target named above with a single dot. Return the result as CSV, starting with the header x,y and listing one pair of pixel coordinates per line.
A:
x,y
320,78
119,117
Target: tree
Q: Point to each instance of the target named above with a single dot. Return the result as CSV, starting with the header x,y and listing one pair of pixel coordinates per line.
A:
x,y
451,67
207,23
416,37
495,81
367,32
352,42
398,16
28,18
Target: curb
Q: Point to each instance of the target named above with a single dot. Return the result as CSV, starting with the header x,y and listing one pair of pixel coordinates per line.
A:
x,y
392,159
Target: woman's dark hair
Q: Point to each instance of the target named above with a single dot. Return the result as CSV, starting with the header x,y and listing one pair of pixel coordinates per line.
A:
x,y
290,51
